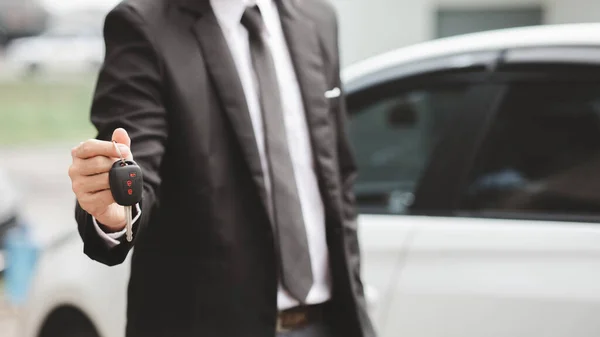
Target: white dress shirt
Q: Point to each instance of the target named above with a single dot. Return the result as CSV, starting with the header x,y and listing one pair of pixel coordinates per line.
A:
x,y
229,14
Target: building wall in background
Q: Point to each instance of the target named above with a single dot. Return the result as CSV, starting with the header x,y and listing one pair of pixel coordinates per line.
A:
x,y
370,27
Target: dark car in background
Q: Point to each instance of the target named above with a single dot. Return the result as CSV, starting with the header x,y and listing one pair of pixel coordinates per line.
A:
x,y
21,18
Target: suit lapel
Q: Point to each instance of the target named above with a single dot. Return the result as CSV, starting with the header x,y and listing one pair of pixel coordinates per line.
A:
x,y
223,73
304,45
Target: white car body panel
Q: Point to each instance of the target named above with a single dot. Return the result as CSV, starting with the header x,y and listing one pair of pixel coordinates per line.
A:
x,y
424,276
481,277
383,241
67,277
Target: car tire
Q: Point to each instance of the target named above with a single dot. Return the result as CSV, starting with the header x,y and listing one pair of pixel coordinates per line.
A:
x,y
68,322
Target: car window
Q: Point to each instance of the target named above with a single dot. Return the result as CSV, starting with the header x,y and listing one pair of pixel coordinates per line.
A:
x,y
393,132
541,155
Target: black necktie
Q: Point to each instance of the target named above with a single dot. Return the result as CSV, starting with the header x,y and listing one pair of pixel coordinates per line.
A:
x,y
295,269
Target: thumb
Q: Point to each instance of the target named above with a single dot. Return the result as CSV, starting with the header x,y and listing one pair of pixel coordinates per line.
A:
x,y
121,137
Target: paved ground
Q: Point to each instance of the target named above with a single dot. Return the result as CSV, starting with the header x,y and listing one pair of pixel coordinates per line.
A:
x,y
40,173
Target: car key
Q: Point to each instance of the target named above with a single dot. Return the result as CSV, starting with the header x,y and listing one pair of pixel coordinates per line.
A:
x,y
126,183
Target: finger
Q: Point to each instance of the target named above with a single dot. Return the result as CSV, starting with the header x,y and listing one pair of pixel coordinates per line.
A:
x,y
96,202
74,151
122,137
92,184
94,165
103,198
95,147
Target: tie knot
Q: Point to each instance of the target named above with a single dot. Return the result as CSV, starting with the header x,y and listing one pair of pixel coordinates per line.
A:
x,y
252,20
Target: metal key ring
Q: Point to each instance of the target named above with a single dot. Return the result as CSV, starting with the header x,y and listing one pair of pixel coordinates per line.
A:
x,y
119,152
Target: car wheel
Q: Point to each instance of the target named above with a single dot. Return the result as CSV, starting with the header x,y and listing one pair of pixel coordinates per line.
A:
x,y
68,322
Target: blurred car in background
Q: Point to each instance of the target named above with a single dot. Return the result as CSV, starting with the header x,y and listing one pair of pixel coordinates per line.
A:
x,y
9,213
479,194
66,47
21,18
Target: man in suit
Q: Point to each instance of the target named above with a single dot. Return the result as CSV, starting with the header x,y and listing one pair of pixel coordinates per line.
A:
x,y
247,224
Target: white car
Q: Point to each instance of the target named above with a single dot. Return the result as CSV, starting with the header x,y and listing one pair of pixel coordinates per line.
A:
x,y
10,213
62,49
479,195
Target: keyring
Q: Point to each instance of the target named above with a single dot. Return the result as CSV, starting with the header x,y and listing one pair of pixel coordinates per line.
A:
x,y
123,163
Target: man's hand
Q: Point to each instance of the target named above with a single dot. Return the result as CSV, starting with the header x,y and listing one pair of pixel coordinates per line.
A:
x,y
92,160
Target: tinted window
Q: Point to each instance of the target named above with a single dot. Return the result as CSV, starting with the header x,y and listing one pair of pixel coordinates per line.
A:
x,y
393,132
542,154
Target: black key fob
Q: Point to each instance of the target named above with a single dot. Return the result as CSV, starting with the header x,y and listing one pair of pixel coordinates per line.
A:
x,y
126,182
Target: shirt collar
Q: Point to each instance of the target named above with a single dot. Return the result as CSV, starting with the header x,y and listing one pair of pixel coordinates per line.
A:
x,y
229,12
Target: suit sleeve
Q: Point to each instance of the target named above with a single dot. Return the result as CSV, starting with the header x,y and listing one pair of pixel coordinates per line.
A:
x,y
128,95
347,169
348,173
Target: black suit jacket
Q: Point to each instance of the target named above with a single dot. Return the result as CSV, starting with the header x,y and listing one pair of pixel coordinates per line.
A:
x,y
204,263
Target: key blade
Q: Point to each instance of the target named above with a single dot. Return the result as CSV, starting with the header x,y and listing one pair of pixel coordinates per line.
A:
x,y
129,223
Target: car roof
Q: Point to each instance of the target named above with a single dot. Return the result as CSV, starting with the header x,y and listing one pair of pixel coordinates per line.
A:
x,y
583,34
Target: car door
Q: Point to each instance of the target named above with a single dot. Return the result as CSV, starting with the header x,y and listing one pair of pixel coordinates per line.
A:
x,y
520,254
395,126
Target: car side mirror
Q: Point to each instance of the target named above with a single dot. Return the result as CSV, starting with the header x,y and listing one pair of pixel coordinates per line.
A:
x,y
402,114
